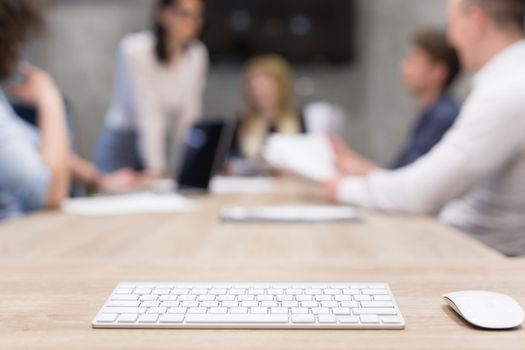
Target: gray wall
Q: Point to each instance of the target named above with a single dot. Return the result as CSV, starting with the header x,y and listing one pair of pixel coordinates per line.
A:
x,y
83,35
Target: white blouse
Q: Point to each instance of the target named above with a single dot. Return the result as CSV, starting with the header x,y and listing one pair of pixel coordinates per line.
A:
x,y
155,100
475,177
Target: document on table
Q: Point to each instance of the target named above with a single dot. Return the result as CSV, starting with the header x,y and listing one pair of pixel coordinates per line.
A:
x,y
298,214
129,204
242,185
308,156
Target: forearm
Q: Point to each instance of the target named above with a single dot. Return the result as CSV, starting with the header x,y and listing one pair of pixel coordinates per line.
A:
x,y
83,171
54,147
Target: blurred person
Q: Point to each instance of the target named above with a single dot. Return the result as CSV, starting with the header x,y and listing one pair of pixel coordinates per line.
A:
x,y
474,178
160,80
36,164
428,71
34,170
268,87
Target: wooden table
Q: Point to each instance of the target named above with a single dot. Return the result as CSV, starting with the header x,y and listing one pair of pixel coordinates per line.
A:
x,y
56,272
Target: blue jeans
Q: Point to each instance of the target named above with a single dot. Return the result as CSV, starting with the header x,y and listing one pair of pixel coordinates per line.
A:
x,y
116,150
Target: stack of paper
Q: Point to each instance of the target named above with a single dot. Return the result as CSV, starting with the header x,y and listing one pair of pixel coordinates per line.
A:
x,y
309,156
242,185
139,203
292,214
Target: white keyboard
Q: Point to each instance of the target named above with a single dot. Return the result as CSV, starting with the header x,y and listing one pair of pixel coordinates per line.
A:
x,y
251,305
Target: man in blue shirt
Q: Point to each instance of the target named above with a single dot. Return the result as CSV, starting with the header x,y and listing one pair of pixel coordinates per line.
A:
x,y
428,71
430,68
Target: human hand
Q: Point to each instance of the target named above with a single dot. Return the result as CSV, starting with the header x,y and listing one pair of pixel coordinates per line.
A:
x,y
122,181
37,89
348,162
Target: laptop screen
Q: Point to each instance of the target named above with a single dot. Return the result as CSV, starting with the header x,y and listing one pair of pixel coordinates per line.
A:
x,y
206,149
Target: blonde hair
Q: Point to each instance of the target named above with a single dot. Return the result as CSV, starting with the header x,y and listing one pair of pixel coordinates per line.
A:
x,y
254,128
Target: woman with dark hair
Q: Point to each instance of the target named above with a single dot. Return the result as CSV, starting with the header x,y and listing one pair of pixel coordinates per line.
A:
x,y
159,84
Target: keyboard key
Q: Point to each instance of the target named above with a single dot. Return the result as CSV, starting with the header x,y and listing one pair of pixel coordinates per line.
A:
x,y
299,311
157,310
259,310
123,303
170,304
189,304
197,310
375,311
250,304
391,320
284,297
150,304
303,319
226,298
125,297
348,320
362,297
289,304
376,292
177,310
124,310
327,319
341,311
209,304
148,318
320,311
107,318
218,310
382,298
143,291
369,319
124,291
230,304
240,319
269,304
350,304
128,318
381,304
171,318
239,310
280,310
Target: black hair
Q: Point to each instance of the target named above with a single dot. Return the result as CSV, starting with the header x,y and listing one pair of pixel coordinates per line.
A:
x,y
161,34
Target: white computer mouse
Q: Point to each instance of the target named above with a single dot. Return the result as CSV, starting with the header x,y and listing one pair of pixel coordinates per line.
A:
x,y
486,309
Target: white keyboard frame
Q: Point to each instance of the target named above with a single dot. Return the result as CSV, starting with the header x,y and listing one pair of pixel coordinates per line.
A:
x,y
274,326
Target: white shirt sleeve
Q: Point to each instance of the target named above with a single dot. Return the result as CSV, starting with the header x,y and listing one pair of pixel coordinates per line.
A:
x,y
489,132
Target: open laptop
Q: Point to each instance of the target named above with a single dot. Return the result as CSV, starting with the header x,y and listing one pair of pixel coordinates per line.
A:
x,y
206,149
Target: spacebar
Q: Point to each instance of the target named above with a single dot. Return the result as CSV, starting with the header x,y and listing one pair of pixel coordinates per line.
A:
x,y
231,318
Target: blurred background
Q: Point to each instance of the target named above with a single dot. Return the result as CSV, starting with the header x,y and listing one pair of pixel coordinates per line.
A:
x,y
345,52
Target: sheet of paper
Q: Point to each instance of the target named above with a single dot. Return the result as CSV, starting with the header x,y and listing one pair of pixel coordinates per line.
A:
x,y
308,156
291,214
138,203
242,185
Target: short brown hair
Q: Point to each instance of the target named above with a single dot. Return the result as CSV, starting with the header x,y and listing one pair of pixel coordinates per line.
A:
x,y
435,43
18,19
509,14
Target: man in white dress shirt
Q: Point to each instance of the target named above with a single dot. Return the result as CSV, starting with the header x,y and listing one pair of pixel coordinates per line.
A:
x,y
474,179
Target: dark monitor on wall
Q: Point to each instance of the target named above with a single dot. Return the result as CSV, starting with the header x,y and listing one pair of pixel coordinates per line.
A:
x,y
299,30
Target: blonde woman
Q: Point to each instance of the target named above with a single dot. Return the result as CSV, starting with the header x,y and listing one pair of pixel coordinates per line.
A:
x,y
268,86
